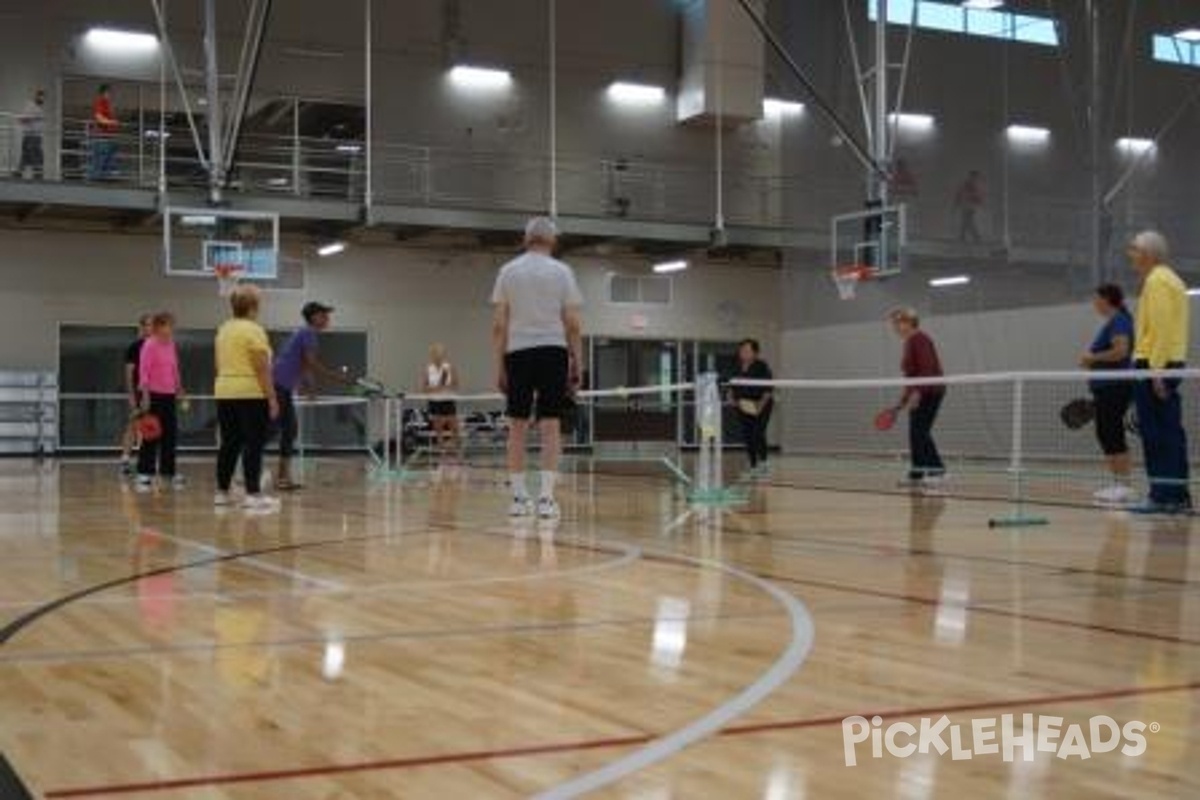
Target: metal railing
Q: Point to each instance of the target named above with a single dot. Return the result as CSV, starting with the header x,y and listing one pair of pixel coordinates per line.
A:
x,y
621,188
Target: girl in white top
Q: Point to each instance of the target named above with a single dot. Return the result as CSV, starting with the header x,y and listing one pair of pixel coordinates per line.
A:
x,y
440,377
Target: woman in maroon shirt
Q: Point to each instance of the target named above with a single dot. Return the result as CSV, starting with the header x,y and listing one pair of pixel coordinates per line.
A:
x,y
922,402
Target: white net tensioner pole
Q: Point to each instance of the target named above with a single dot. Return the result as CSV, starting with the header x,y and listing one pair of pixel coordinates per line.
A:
x,y
1018,518
709,478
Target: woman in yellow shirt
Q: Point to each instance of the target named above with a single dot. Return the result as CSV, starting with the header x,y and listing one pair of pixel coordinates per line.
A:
x,y
246,401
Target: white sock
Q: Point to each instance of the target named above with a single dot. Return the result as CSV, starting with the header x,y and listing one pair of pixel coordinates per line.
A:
x,y
548,479
517,481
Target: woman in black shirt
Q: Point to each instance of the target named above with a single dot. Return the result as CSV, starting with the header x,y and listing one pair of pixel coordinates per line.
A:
x,y
754,403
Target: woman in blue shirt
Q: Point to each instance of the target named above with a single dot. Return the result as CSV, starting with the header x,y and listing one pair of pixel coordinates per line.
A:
x,y
1112,349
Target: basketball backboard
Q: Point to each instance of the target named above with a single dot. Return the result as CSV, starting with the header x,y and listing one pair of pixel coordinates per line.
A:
x,y
874,238
196,240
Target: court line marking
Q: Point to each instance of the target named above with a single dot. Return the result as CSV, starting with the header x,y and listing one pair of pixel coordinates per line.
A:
x,y
629,554
649,556
901,552
733,570
749,729
988,609
11,786
22,621
998,499
664,747
518,629
256,563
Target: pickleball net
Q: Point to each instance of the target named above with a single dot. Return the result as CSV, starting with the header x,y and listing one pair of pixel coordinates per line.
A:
x,y
1002,436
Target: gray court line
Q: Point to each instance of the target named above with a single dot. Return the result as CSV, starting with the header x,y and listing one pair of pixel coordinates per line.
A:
x,y
788,663
629,554
256,563
530,628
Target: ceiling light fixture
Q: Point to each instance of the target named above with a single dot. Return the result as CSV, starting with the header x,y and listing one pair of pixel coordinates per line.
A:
x,y
123,42
951,280
667,267
636,93
467,77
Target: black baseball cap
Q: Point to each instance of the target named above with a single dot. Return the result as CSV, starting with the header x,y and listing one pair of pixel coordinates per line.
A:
x,y
310,310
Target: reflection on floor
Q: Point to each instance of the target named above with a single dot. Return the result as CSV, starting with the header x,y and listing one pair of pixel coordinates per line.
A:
x,y
404,639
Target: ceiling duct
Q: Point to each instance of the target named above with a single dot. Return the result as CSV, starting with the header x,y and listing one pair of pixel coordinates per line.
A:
x,y
722,63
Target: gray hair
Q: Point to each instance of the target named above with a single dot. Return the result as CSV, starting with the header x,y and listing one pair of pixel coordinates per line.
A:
x,y
541,229
905,314
1152,244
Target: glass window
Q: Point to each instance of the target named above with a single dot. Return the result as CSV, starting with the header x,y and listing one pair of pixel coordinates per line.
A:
x,y
992,24
94,409
1172,50
953,18
1035,30
900,12
941,17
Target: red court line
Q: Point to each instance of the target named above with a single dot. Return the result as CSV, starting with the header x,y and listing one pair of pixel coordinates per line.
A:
x,y
999,612
601,744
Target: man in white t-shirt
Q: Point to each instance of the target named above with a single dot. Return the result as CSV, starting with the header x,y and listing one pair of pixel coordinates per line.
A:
x,y
536,336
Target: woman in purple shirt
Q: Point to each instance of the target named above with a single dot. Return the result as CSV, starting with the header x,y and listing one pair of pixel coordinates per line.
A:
x,y
296,365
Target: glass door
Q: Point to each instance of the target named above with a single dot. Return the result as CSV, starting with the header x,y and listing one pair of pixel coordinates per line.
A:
x,y
619,363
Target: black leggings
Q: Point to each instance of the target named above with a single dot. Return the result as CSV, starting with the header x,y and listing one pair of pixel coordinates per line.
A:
x,y
158,457
245,425
754,434
926,461
1112,403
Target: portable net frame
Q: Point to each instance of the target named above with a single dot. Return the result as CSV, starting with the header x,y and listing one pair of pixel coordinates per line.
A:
x,y
1002,436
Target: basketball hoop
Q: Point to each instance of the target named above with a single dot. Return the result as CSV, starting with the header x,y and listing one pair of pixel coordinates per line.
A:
x,y
228,276
847,278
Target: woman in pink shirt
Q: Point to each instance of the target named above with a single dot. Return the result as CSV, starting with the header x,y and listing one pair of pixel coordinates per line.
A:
x,y
160,389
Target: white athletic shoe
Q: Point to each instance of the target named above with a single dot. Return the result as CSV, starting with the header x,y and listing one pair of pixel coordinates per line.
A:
x,y
260,504
144,484
1116,495
933,485
222,500
547,508
521,507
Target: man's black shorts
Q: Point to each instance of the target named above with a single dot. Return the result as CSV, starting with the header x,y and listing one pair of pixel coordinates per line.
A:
x,y
541,372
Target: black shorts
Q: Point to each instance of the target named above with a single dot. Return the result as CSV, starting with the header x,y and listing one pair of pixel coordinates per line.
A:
x,y
442,408
541,372
1112,402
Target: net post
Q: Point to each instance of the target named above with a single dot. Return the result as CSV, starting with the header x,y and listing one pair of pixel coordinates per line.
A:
x,y
393,467
1018,518
709,486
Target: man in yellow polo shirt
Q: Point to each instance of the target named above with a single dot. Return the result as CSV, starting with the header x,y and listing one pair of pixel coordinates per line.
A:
x,y
1161,343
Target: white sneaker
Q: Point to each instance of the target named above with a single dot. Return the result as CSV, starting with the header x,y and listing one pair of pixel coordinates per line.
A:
x,y
144,484
521,507
260,504
547,508
933,484
1115,495
222,500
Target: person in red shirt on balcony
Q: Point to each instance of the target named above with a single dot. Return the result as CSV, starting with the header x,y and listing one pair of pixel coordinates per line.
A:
x,y
102,161
922,402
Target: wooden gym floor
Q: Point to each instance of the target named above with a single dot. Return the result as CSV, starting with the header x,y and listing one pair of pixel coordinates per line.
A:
x,y
386,639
